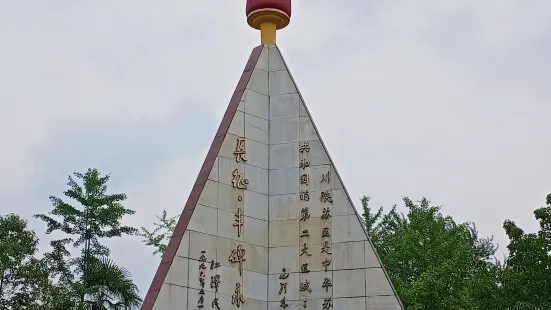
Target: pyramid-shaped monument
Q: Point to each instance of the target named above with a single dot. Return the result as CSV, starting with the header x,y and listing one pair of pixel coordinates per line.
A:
x,y
268,224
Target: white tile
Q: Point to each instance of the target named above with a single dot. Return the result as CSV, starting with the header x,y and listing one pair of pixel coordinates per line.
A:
x,y
341,205
349,283
257,104
241,105
284,233
283,207
252,304
284,257
209,195
228,198
224,247
340,228
371,260
284,181
356,303
257,154
204,220
291,305
178,272
318,156
281,83
284,155
284,106
259,81
316,280
163,299
202,242
237,126
226,167
193,299
256,231
229,276
307,130
284,131
356,230
213,175
348,255
229,145
183,248
336,182
274,285
171,297
195,275
257,258
377,283
276,61
256,128
255,285
263,59
303,111
258,179
226,228
256,205
317,174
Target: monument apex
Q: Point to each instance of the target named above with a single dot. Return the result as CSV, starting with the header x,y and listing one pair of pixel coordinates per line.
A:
x,y
268,224
268,16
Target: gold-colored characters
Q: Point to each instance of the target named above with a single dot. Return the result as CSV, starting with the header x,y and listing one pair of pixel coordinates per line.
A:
x,y
238,180
238,221
237,298
238,256
240,153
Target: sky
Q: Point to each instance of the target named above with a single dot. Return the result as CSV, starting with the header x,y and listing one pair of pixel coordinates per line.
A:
x,y
444,99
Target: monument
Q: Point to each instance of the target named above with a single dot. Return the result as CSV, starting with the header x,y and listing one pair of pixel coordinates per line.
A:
x,y
268,224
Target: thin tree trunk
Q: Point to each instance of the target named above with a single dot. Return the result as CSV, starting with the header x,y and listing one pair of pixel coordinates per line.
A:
x,y
2,284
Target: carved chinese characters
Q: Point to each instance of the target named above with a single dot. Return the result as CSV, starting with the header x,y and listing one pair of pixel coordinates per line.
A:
x,y
214,281
238,221
240,153
237,298
283,288
238,180
237,255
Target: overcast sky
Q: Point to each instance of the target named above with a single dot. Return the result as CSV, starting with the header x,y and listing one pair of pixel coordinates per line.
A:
x,y
445,99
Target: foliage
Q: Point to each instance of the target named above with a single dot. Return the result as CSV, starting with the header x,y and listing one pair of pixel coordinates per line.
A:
x,y
97,217
434,262
158,238
23,277
527,274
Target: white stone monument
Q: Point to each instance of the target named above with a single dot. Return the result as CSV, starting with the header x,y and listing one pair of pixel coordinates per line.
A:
x,y
269,224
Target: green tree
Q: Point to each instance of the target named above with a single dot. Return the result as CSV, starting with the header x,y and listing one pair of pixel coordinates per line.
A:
x,y
97,217
160,235
527,273
434,262
24,279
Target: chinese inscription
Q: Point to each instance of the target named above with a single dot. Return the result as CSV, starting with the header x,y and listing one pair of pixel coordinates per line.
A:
x,y
239,180
238,221
238,256
237,298
240,153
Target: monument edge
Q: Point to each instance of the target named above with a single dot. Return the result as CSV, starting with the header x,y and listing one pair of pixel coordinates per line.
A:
x,y
338,175
185,216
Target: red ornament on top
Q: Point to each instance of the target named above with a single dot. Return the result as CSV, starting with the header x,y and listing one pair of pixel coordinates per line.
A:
x,y
280,5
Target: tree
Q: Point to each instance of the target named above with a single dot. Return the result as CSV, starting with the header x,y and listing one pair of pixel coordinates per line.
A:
x,y
23,277
434,262
527,272
97,217
158,238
